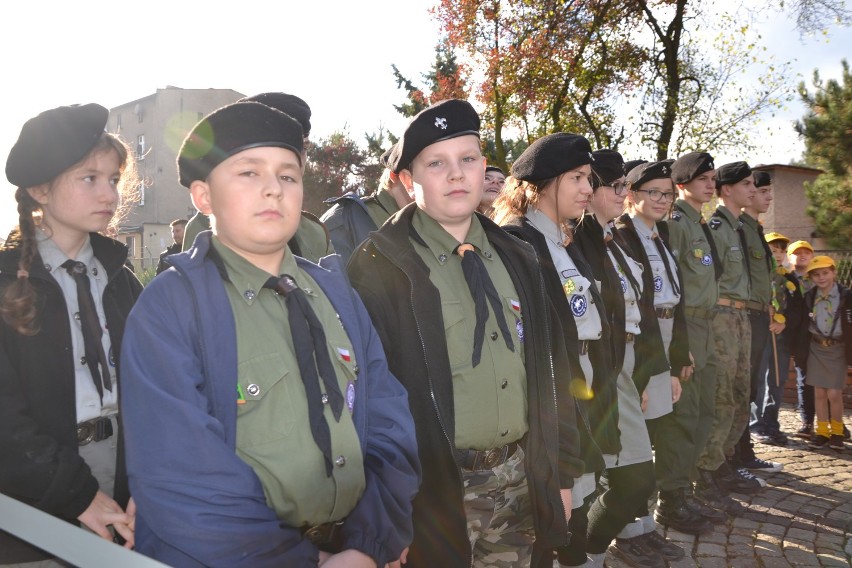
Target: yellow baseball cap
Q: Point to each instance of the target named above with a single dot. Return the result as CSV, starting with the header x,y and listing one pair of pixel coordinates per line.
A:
x,y
796,245
776,237
821,262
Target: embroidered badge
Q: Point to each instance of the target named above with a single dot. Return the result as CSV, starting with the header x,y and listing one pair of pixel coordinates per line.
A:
x,y
707,259
441,123
569,287
658,283
344,354
676,215
715,223
623,281
111,357
516,305
350,396
698,253
578,305
519,327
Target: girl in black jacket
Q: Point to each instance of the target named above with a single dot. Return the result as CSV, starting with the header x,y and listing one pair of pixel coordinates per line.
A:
x,y
59,344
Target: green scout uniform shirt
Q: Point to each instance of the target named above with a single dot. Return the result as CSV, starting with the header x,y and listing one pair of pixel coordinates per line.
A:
x,y
491,398
273,433
761,288
825,313
692,250
199,222
312,240
381,206
734,283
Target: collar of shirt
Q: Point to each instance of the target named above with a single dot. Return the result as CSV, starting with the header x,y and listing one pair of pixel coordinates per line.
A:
x,y
387,201
729,216
248,278
689,211
643,230
441,244
833,296
749,220
53,257
545,225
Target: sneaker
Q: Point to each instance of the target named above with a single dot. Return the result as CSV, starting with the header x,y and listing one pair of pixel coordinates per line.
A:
x,y
806,431
836,442
818,442
672,512
636,552
757,464
746,474
779,439
729,480
667,549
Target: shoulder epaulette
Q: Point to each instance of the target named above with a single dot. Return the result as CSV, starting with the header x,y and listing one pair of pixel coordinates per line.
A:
x,y
715,223
676,215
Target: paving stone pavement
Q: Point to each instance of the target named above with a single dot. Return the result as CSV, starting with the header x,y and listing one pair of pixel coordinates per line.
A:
x,y
802,518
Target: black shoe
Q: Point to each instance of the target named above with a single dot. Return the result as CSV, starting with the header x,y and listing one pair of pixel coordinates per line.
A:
x,y
667,549
727,479
696,506
846,433
672,512
818,441
711,495
806,431
836,442
636,552
779,439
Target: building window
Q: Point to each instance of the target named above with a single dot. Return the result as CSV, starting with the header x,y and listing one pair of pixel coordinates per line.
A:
x,y
130,241
140,147
142,187
118,122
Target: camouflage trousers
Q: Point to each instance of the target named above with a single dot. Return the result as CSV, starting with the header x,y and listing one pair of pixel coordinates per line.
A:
x,y
499,514
731,360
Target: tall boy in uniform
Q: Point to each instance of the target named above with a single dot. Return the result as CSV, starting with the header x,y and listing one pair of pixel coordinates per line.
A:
x,y
732,330
760,266
687,427
461,310
263,427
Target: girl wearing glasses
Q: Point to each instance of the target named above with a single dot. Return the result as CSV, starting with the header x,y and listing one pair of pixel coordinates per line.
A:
x,y
637,354
643,233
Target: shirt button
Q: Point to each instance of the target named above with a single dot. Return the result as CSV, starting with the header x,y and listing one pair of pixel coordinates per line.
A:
x,y
83,360
324,398
48,267
355,369
77,316
95,271
486,254
442,258
253,389
340,461
504,384
504,433
632,303
249,294
494,336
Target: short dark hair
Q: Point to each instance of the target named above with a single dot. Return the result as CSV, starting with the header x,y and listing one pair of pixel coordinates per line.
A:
x,y
178,222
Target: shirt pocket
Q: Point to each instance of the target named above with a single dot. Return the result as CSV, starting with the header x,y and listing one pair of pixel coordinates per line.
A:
x,y
734,254
269,391
459,338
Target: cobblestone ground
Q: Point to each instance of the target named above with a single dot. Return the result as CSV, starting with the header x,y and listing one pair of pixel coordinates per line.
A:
x,y
803,517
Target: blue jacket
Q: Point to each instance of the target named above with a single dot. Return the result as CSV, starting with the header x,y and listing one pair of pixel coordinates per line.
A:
x,y
348,223
199,504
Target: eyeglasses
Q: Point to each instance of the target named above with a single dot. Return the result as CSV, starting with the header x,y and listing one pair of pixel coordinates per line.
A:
x,y
657,195
619,188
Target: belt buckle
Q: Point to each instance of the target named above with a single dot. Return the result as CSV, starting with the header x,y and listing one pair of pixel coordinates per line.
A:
x,y
629,337
85,433
315,534
492,457
584,346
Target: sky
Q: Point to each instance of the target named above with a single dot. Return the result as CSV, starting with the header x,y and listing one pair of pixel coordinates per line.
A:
x,y
337,55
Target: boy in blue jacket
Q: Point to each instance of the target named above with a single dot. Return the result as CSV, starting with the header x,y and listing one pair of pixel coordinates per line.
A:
x,y
263,426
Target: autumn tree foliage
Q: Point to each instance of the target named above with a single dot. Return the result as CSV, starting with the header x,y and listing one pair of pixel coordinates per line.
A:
x,y
336,164
446,80
827,131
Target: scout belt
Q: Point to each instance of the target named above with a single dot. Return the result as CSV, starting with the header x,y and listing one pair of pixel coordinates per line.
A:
x,y
477,460
757,306
699,313
825,341
729,303
665,313
94,430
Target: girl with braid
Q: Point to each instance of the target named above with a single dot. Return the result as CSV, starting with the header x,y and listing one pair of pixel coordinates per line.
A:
x,y
65,294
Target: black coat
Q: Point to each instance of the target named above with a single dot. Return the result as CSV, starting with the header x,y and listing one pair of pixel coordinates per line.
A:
x,y
394,283
628,238
598,416
38,426
650,356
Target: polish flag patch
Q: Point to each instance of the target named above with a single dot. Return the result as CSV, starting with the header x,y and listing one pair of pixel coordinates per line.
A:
x,y
516,305
344,354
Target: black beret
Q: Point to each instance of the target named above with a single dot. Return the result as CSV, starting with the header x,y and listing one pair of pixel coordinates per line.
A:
x,y
387,158
608,167
762,179
493,169
648,171
288,104
53,141
232,129
630,164
732,173
690,166
552,155
441,121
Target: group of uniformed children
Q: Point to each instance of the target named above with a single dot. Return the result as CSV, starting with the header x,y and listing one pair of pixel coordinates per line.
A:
x,y
484,375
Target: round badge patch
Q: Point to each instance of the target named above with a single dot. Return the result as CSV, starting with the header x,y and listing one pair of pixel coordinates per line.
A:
x,y
519,327
578,305
707,259
623,284
350,396
658,283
